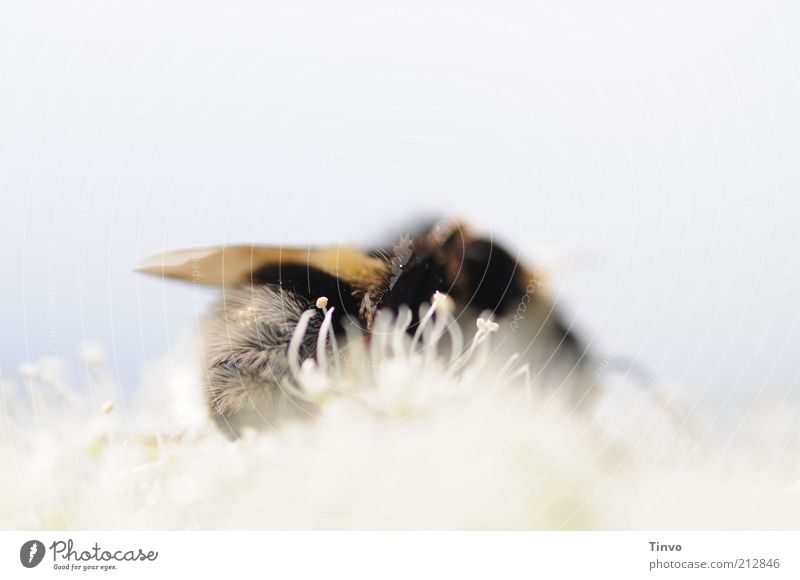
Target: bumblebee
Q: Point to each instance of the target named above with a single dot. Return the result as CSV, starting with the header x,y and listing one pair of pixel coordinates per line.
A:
x,y
265,291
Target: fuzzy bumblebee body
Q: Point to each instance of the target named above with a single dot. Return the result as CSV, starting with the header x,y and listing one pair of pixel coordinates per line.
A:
x,y
247,334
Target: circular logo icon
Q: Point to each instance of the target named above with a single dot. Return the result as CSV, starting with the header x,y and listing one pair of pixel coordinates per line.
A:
x,y
31,553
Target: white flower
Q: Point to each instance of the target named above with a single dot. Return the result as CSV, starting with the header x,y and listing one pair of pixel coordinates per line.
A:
x,y
28,370
315,383
51,370
487,325
92,353
443,302
409,441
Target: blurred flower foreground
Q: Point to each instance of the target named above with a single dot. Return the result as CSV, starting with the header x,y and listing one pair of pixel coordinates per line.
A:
x,y
405,434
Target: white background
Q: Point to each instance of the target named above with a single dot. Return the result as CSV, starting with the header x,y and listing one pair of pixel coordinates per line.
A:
x,y
654,146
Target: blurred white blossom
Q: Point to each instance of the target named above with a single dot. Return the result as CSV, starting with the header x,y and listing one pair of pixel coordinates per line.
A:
x,y
403,442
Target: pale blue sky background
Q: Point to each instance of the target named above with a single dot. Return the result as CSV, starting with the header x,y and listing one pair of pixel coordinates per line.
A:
x,y
656,147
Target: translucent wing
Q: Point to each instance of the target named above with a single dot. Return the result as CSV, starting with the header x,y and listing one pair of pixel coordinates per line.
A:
x,y
226,266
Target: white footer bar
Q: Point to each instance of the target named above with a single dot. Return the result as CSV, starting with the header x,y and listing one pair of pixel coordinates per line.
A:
x,y
380,555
